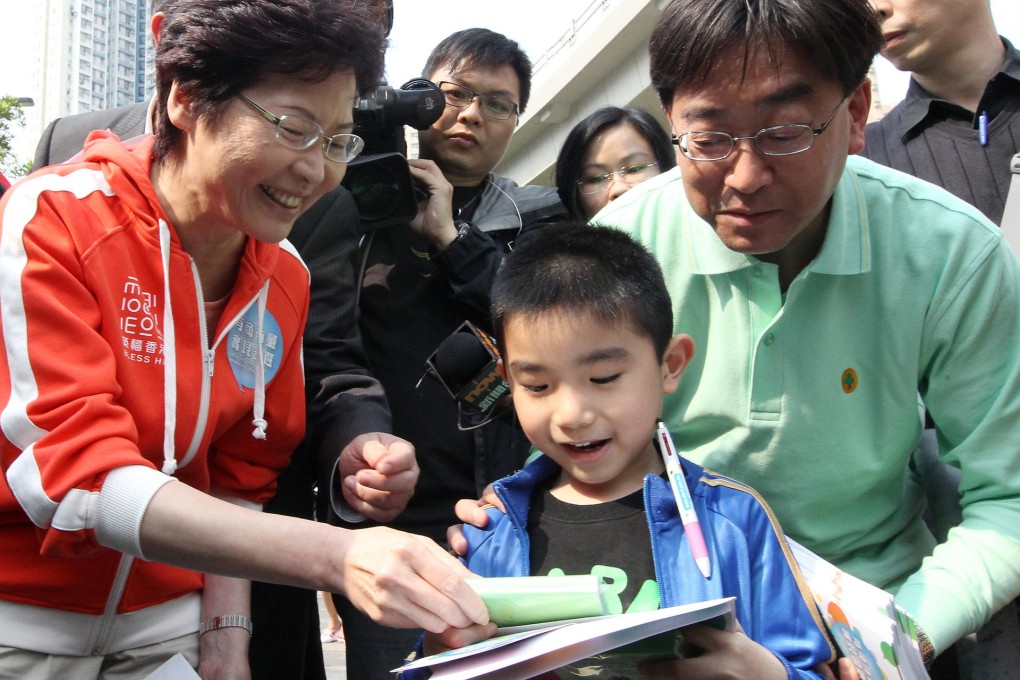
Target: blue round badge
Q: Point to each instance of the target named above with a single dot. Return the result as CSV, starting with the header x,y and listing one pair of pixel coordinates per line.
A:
x,y
242,352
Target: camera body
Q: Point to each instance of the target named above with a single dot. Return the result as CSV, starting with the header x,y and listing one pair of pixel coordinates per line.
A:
x,y
380,180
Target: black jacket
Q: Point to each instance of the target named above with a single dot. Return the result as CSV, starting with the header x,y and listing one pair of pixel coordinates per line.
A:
x,y
411,300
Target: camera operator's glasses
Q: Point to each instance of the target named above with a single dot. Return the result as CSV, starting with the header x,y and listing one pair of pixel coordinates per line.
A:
x,y
778,140
629,175
298,132
499,108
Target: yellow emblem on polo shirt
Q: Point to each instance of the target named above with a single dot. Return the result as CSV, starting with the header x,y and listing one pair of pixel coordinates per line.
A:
x,y
849,380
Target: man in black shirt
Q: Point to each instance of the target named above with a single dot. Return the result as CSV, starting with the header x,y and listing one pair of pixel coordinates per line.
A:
x,y
959,125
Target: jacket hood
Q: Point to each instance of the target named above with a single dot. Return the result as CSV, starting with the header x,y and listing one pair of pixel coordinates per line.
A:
x,y
124,164
127,168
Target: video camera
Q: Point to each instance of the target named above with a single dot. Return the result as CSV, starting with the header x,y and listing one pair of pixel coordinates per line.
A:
x,y
380,180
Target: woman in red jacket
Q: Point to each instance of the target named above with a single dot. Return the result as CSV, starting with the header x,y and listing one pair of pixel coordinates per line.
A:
x,y
151,316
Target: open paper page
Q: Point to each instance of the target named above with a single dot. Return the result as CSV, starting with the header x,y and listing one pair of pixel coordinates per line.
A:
x,y
537,651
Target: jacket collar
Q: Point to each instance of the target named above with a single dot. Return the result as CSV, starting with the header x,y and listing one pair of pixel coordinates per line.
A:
x,y
516,491
506,205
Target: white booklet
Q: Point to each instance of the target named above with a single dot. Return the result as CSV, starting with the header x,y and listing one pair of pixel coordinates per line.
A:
x,y
604,645
877,636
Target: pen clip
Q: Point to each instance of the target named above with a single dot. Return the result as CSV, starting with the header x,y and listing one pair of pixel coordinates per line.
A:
x,y
662,439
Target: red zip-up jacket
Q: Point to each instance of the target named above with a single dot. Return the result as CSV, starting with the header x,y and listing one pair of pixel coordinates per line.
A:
x,y
111,386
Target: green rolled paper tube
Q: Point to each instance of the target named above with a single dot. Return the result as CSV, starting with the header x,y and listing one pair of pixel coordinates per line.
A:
x,y
520,600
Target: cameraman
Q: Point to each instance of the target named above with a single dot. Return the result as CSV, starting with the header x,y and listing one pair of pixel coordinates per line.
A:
x,y
421,280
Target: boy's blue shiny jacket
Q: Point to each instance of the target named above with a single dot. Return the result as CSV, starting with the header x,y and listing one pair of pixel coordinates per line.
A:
x,y
750,558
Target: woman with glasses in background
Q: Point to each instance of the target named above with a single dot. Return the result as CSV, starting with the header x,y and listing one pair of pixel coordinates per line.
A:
x,y
606,154
151,316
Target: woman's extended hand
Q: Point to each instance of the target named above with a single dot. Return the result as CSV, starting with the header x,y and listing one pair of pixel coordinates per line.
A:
x,y
408,581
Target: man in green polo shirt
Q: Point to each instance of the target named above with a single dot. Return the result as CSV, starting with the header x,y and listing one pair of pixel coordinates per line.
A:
x,y
832,300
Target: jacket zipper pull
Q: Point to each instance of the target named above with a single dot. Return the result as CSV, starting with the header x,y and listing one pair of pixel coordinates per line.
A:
x,y
210,361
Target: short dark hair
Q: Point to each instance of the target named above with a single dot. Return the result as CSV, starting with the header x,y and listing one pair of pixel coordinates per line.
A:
x,y
840,37
570,266
571,157
214,49
481,48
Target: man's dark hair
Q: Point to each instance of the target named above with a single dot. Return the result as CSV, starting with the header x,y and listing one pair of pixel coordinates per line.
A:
x,y
573,267
480,48
214,49
570,160
839,37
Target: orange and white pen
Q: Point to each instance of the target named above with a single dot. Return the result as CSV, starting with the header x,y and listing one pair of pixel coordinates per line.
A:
x,y
684,502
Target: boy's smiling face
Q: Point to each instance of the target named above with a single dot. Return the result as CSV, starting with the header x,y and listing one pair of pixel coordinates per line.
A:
x,y
588,394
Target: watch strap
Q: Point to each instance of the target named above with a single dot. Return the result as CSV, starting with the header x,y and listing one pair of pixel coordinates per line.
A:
x,y
226,621
925,646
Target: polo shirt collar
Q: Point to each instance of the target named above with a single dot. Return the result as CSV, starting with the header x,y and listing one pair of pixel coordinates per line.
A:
x,y
708,255
845,250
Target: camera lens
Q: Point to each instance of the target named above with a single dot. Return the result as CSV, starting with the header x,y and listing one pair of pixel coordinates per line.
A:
x,y
374,187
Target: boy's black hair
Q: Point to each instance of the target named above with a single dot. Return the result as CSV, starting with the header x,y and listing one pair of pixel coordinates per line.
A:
x,y
214,49
480,48
840,38
571,266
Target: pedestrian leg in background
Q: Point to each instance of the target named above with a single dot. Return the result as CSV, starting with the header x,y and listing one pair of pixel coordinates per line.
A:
x,y
334,632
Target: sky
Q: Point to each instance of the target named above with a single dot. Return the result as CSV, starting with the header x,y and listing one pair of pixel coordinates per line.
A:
x,y
419,24
415,19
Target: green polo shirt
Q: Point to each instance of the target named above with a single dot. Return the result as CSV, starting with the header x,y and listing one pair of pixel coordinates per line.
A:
x,y
815,398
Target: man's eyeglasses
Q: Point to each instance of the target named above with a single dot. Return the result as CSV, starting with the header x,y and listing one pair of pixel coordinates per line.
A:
x,y
298,132
461,97
629,175
778,140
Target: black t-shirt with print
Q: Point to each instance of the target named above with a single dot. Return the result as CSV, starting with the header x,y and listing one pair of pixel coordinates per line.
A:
x,y
609,539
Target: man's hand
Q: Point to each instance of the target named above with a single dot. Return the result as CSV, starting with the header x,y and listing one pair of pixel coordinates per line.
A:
x,y
725,654
434,220
407,581
847,670
378,473
471,512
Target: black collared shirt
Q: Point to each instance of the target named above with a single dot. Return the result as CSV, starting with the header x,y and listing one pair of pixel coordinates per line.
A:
x,y
940,141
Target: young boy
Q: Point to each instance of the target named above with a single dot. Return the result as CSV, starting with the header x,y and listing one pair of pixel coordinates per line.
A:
x,y
585,327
